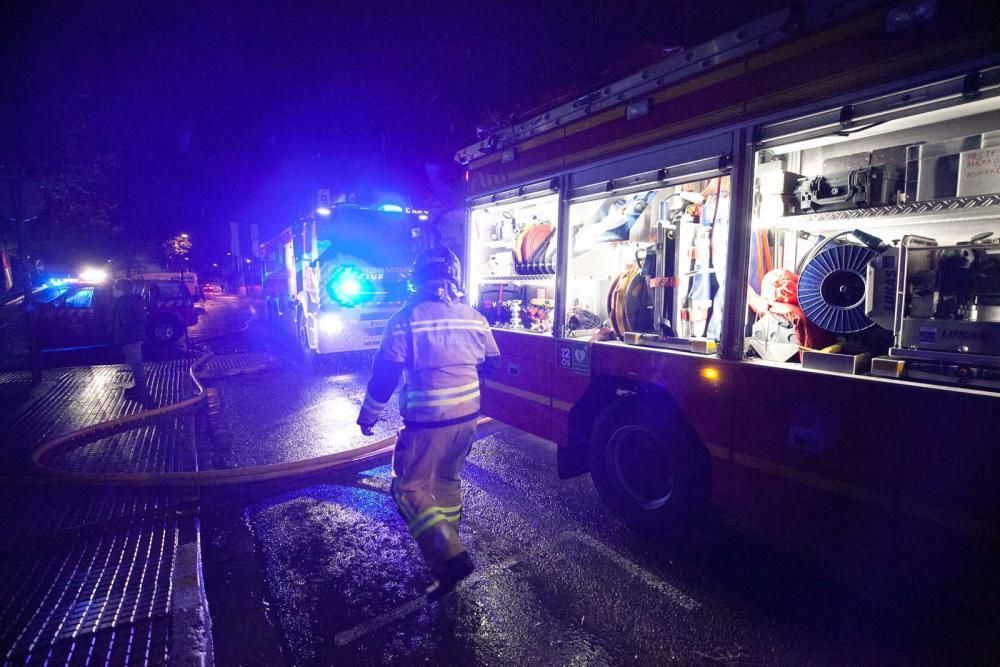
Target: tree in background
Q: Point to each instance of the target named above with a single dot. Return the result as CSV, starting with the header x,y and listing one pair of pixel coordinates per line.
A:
x,y
177,250
69,171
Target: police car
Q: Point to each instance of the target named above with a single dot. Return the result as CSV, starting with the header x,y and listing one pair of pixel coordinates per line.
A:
x,y
78,314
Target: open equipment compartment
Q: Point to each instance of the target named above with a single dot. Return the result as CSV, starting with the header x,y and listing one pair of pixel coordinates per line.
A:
x,y
880,243
650,264
512,258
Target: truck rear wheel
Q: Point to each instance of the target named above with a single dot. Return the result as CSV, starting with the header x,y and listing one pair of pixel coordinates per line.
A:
x,y
648,467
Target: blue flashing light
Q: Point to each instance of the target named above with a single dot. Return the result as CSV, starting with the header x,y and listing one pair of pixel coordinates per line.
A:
x,y
390,208
348,287
323,211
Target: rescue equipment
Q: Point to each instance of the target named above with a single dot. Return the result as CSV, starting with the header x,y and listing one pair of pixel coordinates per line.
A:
x,y
868,186
833,286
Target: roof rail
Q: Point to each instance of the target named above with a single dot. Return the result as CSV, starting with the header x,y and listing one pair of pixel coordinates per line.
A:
x,y
752,37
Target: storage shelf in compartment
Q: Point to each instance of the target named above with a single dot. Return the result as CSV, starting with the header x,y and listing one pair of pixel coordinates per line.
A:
x,y
517,279
495,245
619,242
510,329
978,208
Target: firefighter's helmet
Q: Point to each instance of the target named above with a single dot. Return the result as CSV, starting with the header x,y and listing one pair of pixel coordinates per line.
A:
x,y
437,264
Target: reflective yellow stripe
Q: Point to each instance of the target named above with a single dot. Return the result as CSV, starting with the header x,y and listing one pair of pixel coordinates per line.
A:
x,y
471,326
443,392
952,521
447,324
433,522
457,400
434,509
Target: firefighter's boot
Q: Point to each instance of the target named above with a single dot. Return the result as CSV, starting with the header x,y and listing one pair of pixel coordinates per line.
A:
x,y
449,574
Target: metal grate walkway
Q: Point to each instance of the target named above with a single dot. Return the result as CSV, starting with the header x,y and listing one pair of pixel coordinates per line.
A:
x,y
86,572
30,516
101,600
75,398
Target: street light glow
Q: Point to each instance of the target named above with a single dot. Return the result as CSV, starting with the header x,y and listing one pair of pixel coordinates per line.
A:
x,y
93,275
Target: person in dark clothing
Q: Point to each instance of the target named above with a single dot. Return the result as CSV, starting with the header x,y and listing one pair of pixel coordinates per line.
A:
x,y
439,346
129,330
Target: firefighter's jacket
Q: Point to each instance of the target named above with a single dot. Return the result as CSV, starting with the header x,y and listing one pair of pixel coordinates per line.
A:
x,y
438,346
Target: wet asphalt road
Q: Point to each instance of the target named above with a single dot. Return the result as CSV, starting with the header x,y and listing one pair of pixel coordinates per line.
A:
x,y
321,571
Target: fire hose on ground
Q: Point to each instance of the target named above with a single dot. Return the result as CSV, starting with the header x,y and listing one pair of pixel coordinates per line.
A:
x,y
200,478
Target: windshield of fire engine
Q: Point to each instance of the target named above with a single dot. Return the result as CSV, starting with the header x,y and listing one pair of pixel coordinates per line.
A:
x,y
378,239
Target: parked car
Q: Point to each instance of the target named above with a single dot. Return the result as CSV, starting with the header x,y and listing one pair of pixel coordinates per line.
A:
x,y
75,314
189,279
171,309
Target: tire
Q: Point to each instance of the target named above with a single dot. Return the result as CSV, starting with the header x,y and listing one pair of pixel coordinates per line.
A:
x,y
648,467
306,353
164,331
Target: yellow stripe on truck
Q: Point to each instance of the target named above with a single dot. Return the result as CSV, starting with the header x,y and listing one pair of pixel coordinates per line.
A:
x,y
520,393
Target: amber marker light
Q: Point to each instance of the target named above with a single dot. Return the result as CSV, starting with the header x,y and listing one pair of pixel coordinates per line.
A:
x,y
710,373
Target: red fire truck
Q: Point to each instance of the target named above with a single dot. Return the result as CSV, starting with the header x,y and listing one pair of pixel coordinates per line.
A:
x,y
764,274
334,278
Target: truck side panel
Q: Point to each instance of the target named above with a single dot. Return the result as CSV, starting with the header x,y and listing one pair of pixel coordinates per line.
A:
x,y
521,395
808,465
794,454
949,488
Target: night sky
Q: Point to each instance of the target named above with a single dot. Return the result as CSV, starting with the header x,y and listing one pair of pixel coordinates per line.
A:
x,y
216,113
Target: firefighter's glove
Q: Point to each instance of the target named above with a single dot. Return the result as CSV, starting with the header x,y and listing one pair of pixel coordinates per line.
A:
x,y
367,429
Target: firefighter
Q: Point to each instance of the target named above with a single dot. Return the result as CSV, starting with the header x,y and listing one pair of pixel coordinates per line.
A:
x,y
439,346
129,330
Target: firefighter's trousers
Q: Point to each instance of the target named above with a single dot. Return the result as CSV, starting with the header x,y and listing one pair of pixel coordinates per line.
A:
x,y
426,486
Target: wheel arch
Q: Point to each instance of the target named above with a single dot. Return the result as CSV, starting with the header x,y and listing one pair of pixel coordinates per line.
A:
x,y
604,393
